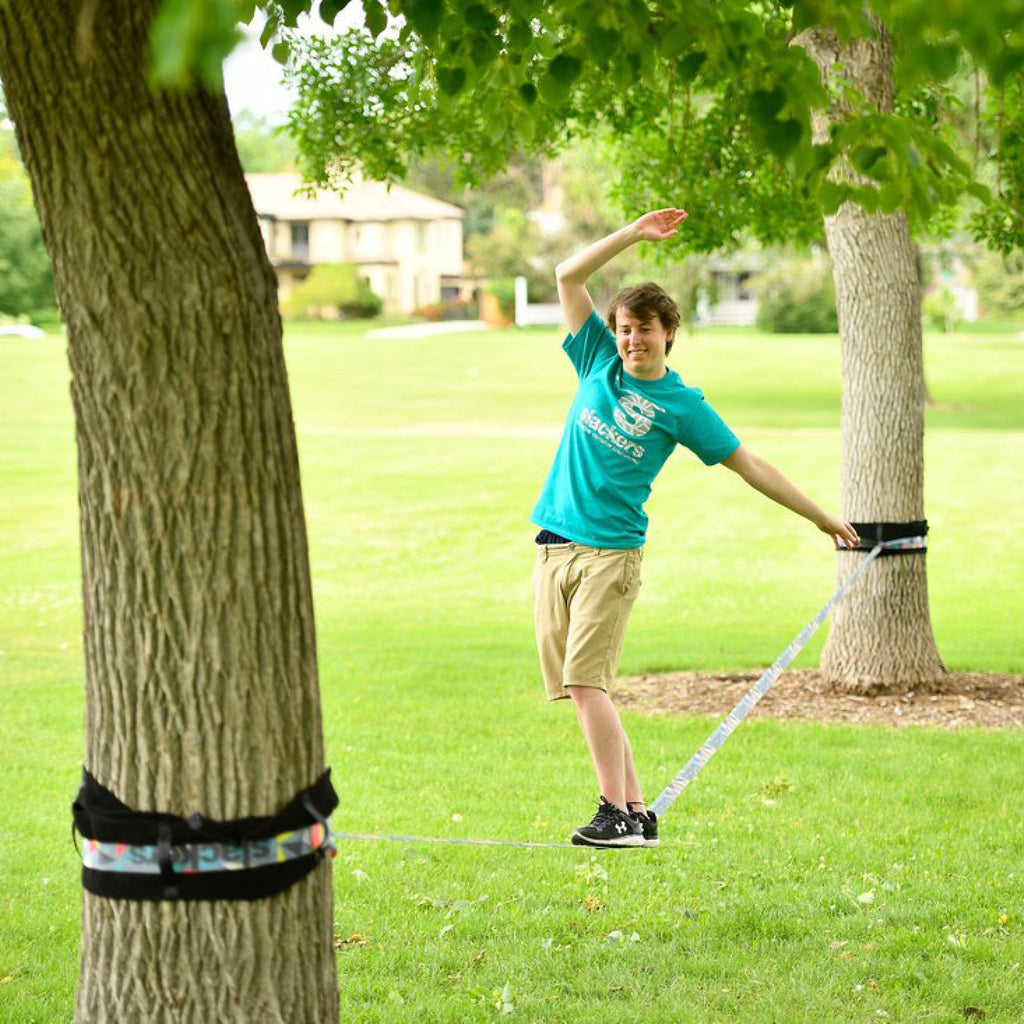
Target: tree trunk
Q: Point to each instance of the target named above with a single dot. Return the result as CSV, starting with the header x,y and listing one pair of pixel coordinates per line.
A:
x,y
200,655
881,637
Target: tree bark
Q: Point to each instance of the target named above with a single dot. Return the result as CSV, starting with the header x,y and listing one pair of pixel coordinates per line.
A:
x,y
200,654
881,638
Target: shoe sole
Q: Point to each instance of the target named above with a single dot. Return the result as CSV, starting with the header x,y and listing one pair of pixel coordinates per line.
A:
x,y
626,842
650,842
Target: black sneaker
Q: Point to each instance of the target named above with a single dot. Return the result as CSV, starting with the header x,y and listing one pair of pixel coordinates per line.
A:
x,y
610,827
649,824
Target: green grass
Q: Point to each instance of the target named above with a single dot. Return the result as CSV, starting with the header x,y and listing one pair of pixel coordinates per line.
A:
x,y
812,874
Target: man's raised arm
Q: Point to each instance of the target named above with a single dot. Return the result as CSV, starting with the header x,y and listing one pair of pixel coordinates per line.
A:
x,y
572,273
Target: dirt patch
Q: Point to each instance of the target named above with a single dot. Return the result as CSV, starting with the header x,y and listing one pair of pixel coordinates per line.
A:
x,y
989,700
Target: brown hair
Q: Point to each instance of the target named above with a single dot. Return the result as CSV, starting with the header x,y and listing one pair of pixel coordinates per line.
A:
x,y
645,301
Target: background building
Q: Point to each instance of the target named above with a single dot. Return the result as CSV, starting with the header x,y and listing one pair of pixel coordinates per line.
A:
x,y
408,246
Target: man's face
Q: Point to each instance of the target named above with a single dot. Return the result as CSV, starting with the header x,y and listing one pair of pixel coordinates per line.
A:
x,y
641,344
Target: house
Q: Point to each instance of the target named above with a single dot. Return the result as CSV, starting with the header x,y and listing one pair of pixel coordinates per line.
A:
x,y
407,245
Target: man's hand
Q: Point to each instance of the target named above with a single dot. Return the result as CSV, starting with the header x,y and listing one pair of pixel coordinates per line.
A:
x,y
842,533
659,224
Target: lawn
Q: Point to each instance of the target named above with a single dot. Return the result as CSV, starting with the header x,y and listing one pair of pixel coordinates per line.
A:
x,y
811,874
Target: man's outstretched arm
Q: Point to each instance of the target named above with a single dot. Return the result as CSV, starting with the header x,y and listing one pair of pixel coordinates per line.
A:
x,y
572,273
764,477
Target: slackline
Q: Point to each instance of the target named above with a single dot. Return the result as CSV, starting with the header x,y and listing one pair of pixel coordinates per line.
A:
x,y
713,743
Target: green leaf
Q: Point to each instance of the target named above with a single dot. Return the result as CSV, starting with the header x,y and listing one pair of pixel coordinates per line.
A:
x,y
565,69
784,137
451,80
554,91
979,191
891,197
425,17
864,158
601,42
246,10
526,9
292,9
330,9
376,17
831,196
281,52
479,18
270,29
189,40
941,59
765,104
529,92
519,36
866,198
691,64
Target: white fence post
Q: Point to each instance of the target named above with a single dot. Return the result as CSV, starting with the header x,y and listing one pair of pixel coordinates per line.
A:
x,y
538,313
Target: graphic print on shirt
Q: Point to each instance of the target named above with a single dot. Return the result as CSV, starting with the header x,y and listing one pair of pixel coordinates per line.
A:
x,y
634,416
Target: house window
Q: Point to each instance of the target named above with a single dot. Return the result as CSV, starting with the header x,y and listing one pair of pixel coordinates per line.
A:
x,y
300,239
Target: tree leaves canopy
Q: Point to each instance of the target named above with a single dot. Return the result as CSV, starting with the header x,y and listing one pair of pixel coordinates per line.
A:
x,y
706,100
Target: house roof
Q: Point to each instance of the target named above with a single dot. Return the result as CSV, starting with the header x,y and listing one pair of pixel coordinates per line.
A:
x,y
273,196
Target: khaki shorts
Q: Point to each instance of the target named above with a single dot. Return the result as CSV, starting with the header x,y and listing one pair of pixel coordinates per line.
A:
x,y
582,600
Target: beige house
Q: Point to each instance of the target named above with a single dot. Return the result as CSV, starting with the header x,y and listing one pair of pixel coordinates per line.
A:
x,y
407,245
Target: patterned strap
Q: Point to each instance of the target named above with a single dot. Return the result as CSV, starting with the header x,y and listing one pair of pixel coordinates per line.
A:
x,y
195,858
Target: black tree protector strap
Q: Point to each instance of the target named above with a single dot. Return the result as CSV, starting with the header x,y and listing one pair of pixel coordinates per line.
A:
x,y
871,534
100,817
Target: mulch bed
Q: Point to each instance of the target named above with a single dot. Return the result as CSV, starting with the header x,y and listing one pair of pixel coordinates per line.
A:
x,y
986,699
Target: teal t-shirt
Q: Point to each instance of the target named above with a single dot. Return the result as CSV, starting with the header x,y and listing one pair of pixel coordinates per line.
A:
x,y
618,434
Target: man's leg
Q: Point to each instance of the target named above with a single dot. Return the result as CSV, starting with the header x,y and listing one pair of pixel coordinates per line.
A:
x,y
606,741
634,794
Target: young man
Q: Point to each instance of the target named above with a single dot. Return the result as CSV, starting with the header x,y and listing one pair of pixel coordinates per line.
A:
x,y
629,413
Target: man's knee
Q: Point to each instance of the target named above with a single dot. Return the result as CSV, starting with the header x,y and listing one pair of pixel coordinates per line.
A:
x,y
585,695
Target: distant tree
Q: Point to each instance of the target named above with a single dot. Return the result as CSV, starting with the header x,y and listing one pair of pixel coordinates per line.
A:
x,y
263,148
26,281
1000,283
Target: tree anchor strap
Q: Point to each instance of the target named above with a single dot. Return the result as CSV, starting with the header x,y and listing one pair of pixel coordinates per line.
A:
x,y
898,538
148,855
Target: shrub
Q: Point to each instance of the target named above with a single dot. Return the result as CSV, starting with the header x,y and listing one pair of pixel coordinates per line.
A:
x,y
332,290
447,309
941,311
797,297
504,290
1000,283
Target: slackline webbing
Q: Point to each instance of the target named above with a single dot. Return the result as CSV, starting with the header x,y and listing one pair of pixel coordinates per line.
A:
x,y
714,742
692,767
466,842
161,875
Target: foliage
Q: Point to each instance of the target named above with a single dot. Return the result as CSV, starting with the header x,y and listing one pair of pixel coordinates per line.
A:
x,y
941,310
262,147
1000,283
722,102
448,309
26,281
796,296
515,246
517,186
332,289
1000,224
504,290
721,94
